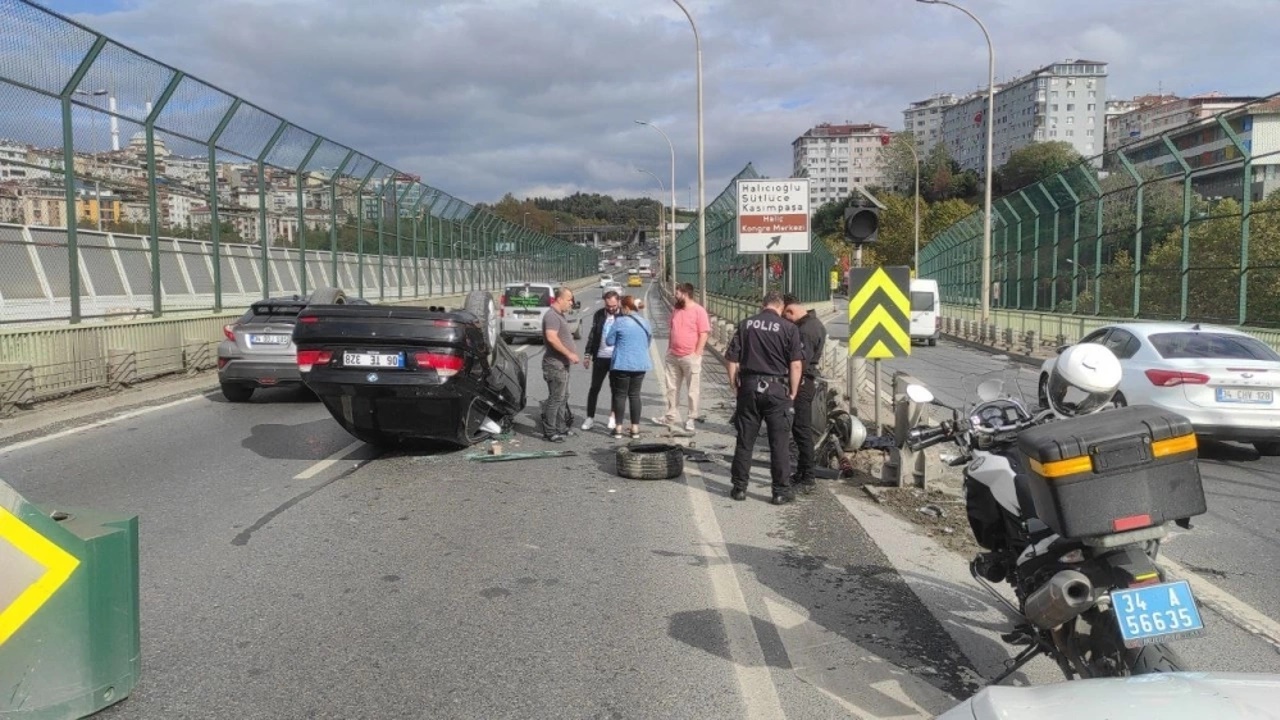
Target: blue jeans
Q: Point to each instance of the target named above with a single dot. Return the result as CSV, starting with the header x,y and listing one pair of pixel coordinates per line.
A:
x,y
555,415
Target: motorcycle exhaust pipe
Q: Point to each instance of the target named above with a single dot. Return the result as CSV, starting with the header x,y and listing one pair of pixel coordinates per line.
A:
x,y
1065,596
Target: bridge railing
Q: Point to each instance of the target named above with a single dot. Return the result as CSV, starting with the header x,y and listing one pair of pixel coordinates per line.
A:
x,y
109,156
1182,225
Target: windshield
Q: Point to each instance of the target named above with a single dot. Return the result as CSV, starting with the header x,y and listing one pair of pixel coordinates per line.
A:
x,y
994,384
921,302
1211,346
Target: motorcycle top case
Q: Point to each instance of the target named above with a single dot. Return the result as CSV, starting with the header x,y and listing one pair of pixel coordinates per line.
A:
x,y
1113,471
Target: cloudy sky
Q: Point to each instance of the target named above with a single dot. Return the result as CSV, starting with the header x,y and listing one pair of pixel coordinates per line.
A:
x,y
539,97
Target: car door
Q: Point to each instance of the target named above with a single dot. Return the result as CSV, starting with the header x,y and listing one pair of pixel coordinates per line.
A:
x,y
1124,345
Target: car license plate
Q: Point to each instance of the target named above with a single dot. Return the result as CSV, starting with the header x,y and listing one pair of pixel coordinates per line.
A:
x,y
1246,396
269,339
372,359
1156,613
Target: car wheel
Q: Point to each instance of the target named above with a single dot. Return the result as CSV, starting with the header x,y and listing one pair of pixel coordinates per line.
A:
x,y
1269,448
236,393
933,342
480,304
650,461
1043,392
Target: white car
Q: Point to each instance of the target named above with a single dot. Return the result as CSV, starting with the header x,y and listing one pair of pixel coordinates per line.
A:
x,y
605,279
614,286
1224,381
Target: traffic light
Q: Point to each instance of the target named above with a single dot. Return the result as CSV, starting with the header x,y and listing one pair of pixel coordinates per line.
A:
x,y
861,225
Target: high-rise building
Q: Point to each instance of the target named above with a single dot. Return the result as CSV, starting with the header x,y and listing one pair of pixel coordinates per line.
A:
x,y
836,158
1064,101
923,119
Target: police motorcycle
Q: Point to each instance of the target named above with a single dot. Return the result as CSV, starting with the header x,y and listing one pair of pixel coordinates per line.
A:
x,y
1071,503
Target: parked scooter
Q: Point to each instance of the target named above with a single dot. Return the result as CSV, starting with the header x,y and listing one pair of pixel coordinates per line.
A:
x,y
1071,504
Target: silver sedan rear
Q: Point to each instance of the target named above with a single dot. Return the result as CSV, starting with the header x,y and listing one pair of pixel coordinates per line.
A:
x,y
1226,382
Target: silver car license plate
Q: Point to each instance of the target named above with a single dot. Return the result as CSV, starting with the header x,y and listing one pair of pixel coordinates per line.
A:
x,y
1245,396
372,359
269,339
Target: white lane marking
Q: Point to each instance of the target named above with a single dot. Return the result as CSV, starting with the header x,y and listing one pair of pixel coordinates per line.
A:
x,y
101,423
752,672
1235,610
328,462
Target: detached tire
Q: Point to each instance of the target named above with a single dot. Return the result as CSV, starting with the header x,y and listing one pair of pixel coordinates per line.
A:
x,y
327,296
650,461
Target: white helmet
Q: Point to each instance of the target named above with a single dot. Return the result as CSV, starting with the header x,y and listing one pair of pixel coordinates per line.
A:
x,y
1083,380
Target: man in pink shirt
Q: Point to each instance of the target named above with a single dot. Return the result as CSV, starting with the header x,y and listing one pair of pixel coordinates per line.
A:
x,y
690,328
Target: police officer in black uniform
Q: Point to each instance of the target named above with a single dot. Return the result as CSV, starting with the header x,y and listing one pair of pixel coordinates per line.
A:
x,y
814,335
766,361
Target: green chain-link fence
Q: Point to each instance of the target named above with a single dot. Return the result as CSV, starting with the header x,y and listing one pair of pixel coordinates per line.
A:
x,y
1180,225
741,277
126,178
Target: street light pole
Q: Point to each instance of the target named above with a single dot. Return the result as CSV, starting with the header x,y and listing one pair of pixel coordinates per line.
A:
x,y
671,230
661,237
985,293
702,176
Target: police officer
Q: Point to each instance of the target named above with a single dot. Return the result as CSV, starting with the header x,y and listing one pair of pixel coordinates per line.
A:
x,y
766,361
814,335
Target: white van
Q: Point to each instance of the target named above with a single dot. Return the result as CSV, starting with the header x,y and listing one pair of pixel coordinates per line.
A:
x,y
925,306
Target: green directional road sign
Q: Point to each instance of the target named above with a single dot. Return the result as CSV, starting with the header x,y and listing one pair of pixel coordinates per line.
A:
x,y
880,312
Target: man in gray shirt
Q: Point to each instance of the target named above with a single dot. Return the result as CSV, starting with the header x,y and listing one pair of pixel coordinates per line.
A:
x,y
559,355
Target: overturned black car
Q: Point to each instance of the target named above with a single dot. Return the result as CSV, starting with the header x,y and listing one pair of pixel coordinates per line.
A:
x,y
392,374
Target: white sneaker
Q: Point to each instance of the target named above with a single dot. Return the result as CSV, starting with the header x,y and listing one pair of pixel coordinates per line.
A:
x,y
612,423
588,424
688,425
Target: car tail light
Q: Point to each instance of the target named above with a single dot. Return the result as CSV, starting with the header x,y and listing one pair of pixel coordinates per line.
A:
x,y
310,358
308,319
222,362
230,332
444,365
1173,378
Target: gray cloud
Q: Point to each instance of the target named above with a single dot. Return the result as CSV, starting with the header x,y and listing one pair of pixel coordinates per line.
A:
x,y
482,97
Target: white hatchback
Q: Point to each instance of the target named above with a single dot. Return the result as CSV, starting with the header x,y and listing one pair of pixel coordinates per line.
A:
x,y
1226,382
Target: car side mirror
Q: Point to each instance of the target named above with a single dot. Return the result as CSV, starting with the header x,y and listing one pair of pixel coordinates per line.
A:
x,y
577,304
1061,348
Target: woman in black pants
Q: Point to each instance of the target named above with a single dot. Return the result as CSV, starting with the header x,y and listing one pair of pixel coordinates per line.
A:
x,y
599,356
630,337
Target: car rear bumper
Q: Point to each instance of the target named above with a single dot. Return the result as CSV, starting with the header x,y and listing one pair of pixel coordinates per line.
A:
x,y
260,373
1239,426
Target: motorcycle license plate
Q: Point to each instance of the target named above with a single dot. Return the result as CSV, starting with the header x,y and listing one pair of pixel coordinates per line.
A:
x,y
1156,613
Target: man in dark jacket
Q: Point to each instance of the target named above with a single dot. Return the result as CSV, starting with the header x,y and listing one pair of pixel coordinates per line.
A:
x,y
599,356
814,335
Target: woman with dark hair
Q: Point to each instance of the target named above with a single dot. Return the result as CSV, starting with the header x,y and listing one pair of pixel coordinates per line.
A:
x,y
630,337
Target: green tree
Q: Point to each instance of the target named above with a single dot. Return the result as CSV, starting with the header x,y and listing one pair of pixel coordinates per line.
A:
x,y
1033,163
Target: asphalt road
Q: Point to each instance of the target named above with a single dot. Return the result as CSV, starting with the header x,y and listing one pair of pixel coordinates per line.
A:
x,y
1235,546
290,572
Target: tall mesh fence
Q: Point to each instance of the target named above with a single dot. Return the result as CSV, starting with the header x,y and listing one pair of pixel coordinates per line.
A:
x,y
744,277
1181,225
127,185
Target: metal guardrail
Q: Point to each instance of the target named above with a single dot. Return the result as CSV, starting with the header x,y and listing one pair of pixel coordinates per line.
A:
x,y
39,364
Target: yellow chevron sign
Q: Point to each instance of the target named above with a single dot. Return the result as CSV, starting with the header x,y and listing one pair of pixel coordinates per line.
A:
x,y
879,312
32,568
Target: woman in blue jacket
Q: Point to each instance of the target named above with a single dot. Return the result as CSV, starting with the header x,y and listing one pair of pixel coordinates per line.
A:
x,y
630,337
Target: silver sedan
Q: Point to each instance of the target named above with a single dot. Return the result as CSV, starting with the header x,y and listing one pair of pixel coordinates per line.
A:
x,y
1223,380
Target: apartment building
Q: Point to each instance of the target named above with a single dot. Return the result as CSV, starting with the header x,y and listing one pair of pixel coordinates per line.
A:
x,y
1150,115
836,158
1064,101
923,119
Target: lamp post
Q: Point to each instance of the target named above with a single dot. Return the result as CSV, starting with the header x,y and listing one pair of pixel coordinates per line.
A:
x,y
524,221
702,176
93,120
671,230
661,238
985,293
